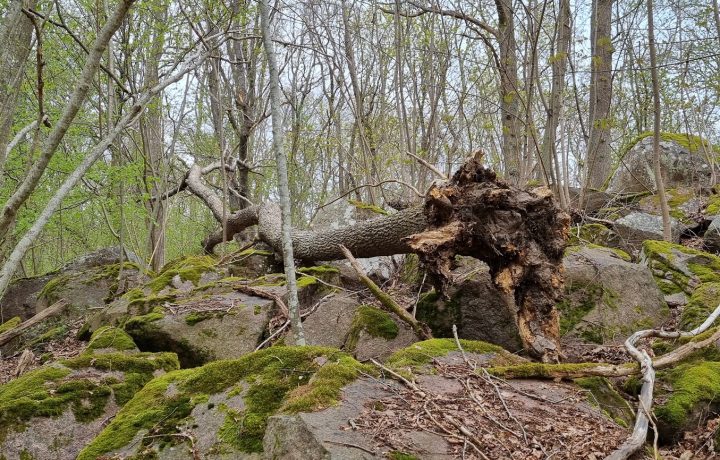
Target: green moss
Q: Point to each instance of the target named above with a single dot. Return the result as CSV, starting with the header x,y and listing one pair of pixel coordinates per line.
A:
x,y
373,321
544,370
277,379
305,281
188,269
319,270
255,252
661,256
607,399
580,299
10,324
110,337
693,385
25,455
143,320
577,248
438,313
690,142
199,316
46,393
143,363
397,455
589,233
703,301
713,205
50,290
113,271
422,353
368,207
51,334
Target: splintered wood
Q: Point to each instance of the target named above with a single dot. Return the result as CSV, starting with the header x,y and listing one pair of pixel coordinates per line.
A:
x,y
520,234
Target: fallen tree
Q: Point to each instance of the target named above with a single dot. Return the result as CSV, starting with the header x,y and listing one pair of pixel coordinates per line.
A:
x,y
519,233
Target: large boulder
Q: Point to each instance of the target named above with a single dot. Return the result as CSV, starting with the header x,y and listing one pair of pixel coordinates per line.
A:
x,y
682,158
475,305
54,411
85,282
204,328
679,268
365,331
220,410
712,234
607,298
637,227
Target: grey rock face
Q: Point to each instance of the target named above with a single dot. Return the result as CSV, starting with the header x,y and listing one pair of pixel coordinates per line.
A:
x,y
637,227
679,167
607,298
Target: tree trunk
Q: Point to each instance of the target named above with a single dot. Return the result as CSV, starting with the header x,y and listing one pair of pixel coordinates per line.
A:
x,y
549,157
509,91
599,161
659,185
285,214
519,234
15,44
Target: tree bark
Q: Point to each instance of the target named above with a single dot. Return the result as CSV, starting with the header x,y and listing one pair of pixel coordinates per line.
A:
x,y
283,185
15,44
599,161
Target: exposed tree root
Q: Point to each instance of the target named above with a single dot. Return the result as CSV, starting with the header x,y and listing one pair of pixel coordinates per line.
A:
x,y
520,234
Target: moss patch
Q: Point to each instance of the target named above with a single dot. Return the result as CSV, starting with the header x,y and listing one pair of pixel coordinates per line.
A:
x,y
51,289
422,353
577,248
439,314
373,321
589,233
10,324
671,275
277,379
188,269
694,385
110,337
368,207
607,399
703,301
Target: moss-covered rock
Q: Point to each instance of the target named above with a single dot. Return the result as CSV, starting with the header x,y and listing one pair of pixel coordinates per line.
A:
x,y
597,234
607,298
683,162
190,268
54,411
685,395
420,354
204,327
603,395
703,301
234,399
677,268
374,322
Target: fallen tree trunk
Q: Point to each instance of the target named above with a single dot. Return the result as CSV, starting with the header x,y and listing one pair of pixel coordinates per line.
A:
x,y
520,234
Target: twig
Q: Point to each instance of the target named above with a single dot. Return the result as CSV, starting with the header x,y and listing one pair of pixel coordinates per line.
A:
x,y
385,299
355,446
265,295
432,168
407,382
637,439
52,310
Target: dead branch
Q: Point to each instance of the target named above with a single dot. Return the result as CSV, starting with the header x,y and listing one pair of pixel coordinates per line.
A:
x,y
639,434
432,168
52,310
385,299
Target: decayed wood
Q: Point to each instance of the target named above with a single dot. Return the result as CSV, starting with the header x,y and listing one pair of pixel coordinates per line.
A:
x,y
26,358
52,310
421,330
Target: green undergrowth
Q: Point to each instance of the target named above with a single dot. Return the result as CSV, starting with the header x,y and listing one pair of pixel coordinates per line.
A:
x,y
10,324
274,380
375,322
